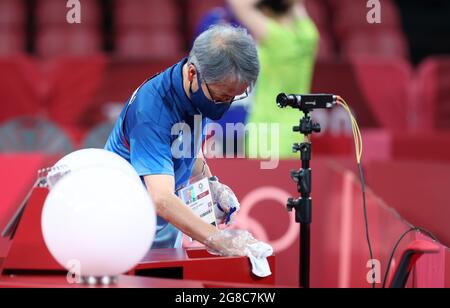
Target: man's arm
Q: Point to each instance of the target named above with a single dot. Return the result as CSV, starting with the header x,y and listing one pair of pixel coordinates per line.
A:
x,y
173,210
250,16
201,167
254,20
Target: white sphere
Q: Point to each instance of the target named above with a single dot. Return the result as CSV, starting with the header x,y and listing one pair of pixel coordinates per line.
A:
x,y
87,158
100,221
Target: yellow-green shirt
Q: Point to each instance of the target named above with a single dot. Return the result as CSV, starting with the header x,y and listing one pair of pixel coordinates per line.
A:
x,y
287,57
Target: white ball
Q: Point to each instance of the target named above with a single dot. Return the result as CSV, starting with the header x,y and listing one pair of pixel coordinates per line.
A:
x,y
87,158
99,222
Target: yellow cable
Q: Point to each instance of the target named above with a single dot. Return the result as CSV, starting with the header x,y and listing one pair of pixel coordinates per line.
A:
x,y
356,130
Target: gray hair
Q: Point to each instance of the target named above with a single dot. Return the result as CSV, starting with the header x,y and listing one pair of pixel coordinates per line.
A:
x,y
224,52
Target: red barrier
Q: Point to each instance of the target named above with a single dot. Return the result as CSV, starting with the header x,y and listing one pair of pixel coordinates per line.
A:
x,y
339,249
190,264
417,190
18,172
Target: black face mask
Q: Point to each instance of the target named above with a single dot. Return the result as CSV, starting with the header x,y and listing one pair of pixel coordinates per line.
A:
x,y
279,7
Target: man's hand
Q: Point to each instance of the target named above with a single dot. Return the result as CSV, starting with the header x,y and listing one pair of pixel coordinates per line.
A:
x,y
237,243
226,204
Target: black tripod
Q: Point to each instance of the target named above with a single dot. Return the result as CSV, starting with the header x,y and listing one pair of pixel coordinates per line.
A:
x,y
303,205
303,177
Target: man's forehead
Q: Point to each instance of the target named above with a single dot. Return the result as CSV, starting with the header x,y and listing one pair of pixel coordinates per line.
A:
x,y
231,86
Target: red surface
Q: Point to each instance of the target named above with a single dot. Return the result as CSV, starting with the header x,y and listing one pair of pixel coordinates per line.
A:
x,y
28,238
339,249
19,173
124,282
196,264
417,190
447,269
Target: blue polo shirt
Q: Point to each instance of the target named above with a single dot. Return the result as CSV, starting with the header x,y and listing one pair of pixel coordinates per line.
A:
x,y
158,117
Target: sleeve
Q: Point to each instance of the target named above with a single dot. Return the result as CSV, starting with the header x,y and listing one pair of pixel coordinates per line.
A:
x,y
151,150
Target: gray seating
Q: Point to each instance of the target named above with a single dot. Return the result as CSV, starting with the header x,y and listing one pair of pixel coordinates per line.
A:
x,y
33,134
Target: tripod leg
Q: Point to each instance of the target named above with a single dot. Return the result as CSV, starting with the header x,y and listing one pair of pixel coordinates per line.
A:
x,y
305,254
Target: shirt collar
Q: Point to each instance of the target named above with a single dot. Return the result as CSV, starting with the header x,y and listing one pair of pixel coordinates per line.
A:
x,y
183,101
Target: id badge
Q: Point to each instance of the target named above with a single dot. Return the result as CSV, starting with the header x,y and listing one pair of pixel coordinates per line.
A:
x,y
197,195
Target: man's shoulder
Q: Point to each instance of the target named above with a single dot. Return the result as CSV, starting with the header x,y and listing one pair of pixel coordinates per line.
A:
x,y
153,99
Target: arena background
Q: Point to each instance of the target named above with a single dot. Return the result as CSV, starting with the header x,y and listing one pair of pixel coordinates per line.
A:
x,y
61,86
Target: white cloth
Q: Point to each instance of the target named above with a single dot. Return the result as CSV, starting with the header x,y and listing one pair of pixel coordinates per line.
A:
x,y
258,254
241,243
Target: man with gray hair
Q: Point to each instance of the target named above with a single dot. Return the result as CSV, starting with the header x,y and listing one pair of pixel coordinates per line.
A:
x,y
222,68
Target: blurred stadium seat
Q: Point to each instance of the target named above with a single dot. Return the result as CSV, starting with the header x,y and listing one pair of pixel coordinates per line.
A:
x,y
388,98
12,12
98,136
12,27
120,79
155,13
383,44
432,93
73,81
327,49
358,37
56,37
320,15
54,42
12,41
147,29
339,77
318,12
20,87
143,43
54,12
33,134
196,10
350,18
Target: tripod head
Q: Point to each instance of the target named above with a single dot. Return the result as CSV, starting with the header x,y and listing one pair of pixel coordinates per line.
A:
x,y
306,104
307,126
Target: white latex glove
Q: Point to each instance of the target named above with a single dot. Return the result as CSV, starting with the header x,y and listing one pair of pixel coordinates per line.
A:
x,y
226,204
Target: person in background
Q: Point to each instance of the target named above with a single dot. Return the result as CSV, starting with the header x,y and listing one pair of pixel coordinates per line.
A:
x,y
216,16
288,42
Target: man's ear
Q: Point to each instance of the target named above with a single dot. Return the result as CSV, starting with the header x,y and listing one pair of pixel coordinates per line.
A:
x,y
192,72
